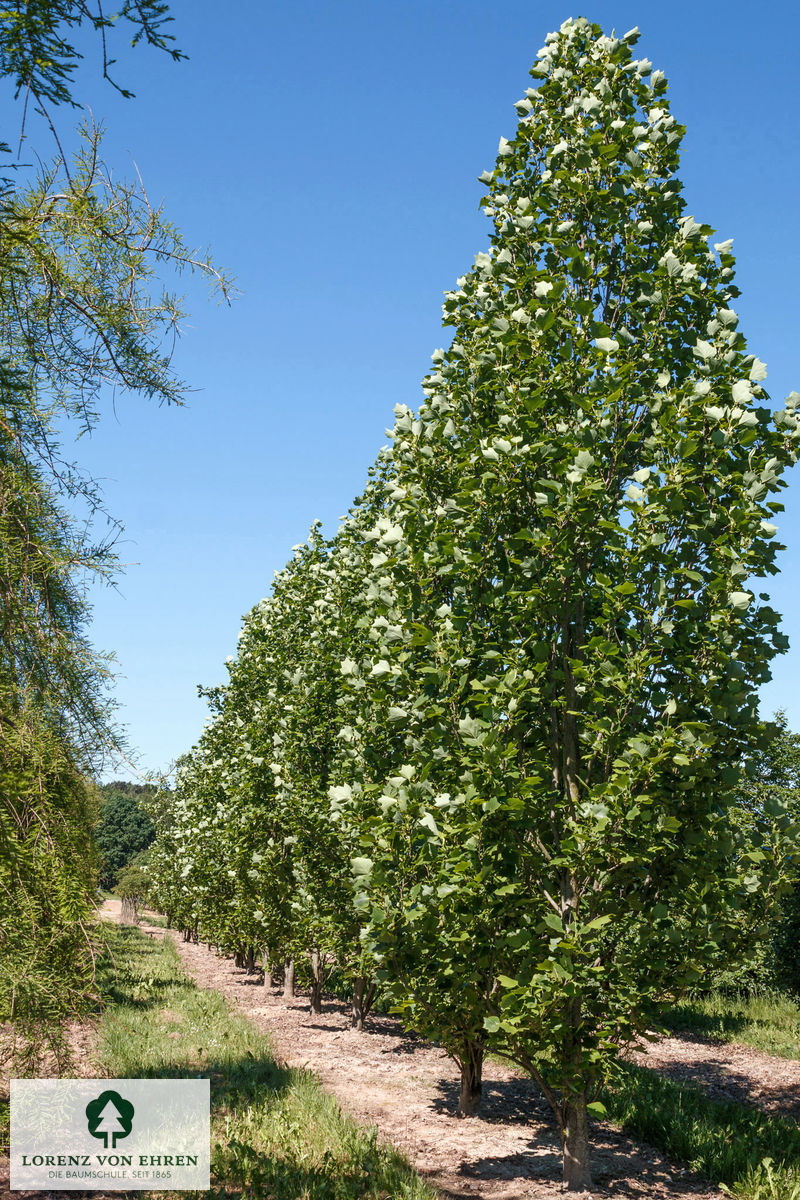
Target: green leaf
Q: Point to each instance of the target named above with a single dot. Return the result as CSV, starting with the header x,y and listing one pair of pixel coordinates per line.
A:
x,y
361,866
596,923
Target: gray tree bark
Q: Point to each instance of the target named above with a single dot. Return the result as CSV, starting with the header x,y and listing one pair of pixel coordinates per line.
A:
x,y
317,981
469,1100
575,1134
363,996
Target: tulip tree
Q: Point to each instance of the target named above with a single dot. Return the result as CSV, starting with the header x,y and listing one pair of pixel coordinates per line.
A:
x,y
574,636
508,704
313,613
438,973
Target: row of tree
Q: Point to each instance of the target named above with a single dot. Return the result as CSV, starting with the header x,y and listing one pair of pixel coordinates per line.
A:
x,y
483,746
81,314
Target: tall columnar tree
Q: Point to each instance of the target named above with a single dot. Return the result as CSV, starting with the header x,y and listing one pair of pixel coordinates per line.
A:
x,y
429,932
574,636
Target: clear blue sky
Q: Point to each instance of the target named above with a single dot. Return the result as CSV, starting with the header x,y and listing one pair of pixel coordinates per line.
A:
x,y
329,155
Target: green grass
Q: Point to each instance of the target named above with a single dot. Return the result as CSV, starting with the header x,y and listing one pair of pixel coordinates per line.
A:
x,y
725,1142
275,1133
148,917
769,1021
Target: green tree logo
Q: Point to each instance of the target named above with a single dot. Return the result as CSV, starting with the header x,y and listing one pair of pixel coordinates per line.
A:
x,y
109,1116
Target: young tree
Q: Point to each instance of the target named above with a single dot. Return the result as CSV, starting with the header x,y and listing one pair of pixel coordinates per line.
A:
x,y
421,895
131,887
573,642
766,801
263,866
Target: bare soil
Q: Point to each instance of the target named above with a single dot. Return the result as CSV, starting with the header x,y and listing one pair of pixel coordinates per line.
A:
x,y
727,1071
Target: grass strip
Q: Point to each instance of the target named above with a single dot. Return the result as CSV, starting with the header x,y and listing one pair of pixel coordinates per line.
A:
x,y
769,1021
724,1141
275,1132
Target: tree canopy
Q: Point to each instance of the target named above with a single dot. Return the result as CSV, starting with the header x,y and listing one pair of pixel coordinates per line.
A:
x,y
123,830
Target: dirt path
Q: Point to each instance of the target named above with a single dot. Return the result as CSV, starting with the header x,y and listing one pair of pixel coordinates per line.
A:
x,y
727,1071
408,1089
111,910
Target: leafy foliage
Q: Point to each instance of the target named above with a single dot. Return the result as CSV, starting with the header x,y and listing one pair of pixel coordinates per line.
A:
x,y
576,509
47,877
123,830
775,788
36,52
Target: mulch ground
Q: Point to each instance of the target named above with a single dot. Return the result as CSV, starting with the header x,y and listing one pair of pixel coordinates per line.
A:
x,y
727,1071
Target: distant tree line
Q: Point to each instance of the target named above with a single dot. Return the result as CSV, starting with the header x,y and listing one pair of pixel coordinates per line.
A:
x,y
124,830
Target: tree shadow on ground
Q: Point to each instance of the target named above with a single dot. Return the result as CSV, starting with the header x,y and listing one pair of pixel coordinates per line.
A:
x,y
503,1101
377,1024
242,1171
619,1167
695,1026
718,1080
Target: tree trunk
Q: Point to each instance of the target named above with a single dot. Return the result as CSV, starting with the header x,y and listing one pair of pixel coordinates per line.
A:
x,y
129,914
288,980
317,981
575,1137
363,996
267,968
250,960
469,1100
